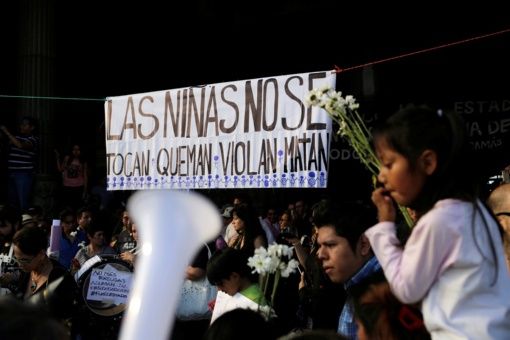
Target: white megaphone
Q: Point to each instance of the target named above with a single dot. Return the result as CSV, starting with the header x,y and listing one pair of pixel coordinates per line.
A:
x,y
172,225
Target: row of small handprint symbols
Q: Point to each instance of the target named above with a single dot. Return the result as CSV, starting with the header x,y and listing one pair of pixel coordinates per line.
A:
x,y
292,180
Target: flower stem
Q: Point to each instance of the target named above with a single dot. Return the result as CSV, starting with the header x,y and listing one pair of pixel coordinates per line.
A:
x,y
265,282
406,215
275,286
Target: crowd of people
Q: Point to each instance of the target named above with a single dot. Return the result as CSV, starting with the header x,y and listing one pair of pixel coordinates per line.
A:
x,y
364,273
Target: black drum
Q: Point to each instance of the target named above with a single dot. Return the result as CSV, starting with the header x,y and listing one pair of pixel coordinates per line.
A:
x,y
104,282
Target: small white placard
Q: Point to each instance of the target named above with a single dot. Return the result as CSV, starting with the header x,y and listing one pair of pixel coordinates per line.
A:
x,y
225,303
109,285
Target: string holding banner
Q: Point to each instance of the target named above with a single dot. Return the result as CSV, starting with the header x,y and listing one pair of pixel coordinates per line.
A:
x,y
52,98
338,69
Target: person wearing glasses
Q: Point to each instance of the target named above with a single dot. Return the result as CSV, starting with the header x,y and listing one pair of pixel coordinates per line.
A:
x,y
499,202
38,271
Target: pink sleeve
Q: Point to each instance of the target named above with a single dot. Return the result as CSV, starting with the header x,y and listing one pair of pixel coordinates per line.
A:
x,y
411,271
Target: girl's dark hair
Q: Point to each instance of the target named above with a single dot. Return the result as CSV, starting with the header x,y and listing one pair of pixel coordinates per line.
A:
x,y
414,129
30,240
226,261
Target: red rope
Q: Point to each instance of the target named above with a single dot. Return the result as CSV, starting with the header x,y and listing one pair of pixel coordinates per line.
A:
x,y
339,70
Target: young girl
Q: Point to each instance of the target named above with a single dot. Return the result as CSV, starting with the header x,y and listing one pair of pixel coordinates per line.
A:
x,y
453,262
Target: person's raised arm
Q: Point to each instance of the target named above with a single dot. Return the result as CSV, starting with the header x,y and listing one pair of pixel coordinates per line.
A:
x,y
17,143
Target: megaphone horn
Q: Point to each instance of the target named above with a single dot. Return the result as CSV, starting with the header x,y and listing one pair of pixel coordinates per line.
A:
x,y
172,227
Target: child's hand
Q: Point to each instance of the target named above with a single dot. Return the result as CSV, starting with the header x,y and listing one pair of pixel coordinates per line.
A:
x,y
385,206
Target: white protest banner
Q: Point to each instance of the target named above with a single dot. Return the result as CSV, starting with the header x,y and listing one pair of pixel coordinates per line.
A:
x,y
254,133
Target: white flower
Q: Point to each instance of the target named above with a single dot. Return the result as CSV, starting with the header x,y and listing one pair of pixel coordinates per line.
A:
x,y
73,233
313,98
351,103
288,251
343,110
260,263
276,260
289,268
326,88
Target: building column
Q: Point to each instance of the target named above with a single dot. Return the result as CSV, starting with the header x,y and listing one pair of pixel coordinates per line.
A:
x,y
37,78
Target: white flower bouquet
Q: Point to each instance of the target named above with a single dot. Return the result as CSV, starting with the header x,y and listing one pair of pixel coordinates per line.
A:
x,y
275,261
351,126
344,111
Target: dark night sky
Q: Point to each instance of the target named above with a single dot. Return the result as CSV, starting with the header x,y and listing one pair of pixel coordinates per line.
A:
x,y
110,48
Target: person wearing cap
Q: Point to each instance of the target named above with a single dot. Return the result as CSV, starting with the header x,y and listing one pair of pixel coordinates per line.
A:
x,y
28,221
